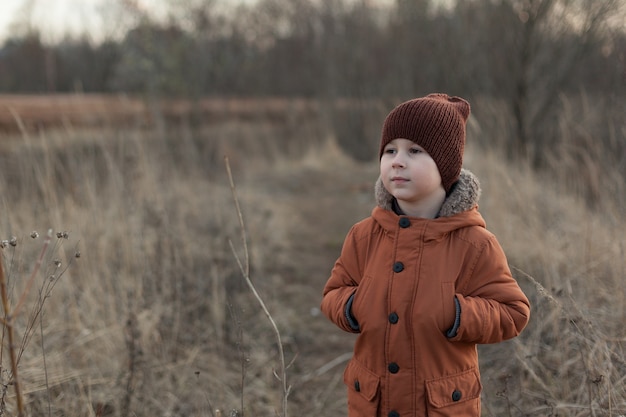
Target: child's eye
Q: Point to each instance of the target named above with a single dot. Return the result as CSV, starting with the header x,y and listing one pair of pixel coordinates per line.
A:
x,y
390,150
415,150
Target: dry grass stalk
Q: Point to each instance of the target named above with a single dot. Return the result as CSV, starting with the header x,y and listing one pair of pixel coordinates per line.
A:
x,y
584,346
245,271
8,324
9,320
11,313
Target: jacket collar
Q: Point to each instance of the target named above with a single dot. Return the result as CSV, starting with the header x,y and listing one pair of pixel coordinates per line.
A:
x,y
464,195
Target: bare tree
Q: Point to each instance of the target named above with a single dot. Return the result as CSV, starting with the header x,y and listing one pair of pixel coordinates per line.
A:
x,y
554,38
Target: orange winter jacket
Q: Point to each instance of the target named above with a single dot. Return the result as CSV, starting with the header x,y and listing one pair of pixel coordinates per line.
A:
x,y
400,283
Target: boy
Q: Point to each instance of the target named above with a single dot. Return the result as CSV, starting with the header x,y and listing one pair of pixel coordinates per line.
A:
x,y
421,280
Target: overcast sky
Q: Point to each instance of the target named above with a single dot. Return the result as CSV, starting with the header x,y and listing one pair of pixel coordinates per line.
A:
x,y
52,17
56,18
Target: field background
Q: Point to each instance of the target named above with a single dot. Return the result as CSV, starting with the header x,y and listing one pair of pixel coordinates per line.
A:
x,y
154,317
121,239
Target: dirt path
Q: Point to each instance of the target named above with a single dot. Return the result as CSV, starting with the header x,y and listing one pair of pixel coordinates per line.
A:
x,y
314,209
324,205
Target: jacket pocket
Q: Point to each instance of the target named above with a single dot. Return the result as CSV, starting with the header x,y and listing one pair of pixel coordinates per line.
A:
x,y
360,300
456,395
448,311
363,389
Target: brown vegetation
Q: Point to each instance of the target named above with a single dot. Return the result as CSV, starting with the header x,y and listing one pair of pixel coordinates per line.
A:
x,y
35,112
155,317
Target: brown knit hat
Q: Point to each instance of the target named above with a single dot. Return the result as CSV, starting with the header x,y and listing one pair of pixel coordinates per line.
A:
x,y
436,123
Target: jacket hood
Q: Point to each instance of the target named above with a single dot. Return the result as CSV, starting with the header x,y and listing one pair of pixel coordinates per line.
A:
x,y
464,195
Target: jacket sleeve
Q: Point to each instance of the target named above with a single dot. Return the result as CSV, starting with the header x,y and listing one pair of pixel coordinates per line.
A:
x,y
343,282
493,306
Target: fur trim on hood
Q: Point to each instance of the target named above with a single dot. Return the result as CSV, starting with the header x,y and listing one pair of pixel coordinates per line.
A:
x,y
463,196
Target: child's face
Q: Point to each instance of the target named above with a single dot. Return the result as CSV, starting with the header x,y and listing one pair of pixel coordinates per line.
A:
x,y
409,173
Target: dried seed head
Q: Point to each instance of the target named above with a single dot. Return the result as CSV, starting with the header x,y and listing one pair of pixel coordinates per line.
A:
x,y
77,254
57,262
59,235
34,234
4,243
598,379
13,241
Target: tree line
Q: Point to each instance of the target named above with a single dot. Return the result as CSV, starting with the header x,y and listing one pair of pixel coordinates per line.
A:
x,y
527,53
309,48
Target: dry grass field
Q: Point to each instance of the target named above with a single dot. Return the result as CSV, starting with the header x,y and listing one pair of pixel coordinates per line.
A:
x,y
154,317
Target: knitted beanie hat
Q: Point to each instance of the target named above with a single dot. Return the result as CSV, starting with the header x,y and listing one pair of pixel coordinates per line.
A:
x,y
436,123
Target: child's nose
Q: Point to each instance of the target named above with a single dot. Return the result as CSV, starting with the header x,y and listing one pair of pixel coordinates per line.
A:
x,y
398,160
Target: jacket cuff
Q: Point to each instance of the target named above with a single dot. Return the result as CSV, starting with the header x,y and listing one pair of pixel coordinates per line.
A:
x,y
457,320
354,325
